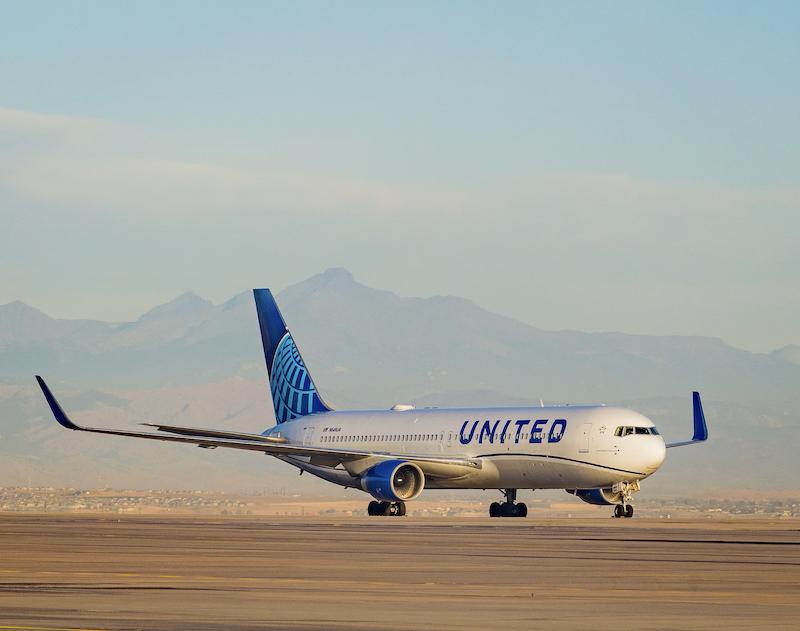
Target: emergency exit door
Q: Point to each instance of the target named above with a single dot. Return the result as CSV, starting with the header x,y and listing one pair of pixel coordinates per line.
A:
x,y
586,436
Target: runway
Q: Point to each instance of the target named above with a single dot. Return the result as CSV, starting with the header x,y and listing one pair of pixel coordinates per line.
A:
x,y
84,572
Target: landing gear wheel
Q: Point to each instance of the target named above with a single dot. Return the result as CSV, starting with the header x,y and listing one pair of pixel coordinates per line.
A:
x,y
387,509
629,511
507,509
619,511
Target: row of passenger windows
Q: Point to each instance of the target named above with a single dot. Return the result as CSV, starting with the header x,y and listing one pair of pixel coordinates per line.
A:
x,y
379,438
384,438
627,431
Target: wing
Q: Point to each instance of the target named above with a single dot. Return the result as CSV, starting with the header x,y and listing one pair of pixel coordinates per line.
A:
x,y
214,433
211,439
700,433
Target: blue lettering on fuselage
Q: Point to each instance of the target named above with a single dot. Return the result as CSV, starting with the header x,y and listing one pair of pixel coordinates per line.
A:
x,y
505,429
488,432
465,440
557,430
536,431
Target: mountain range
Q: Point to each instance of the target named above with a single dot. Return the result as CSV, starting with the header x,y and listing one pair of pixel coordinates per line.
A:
x,y
190,360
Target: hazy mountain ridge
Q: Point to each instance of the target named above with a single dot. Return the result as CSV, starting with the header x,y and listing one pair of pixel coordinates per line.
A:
x,y
189,361
369,344
789,353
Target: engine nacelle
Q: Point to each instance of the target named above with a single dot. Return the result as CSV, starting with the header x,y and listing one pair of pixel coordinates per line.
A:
x,y
601,497
393,481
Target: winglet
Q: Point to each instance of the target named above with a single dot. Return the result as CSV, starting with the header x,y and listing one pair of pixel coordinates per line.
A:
x,y
56,408
700,428
700,433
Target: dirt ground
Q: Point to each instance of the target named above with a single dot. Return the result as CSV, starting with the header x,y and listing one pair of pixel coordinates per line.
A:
x,y
194,573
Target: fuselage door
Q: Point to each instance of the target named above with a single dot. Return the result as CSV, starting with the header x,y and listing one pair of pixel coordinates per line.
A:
x,y
586,434
308,435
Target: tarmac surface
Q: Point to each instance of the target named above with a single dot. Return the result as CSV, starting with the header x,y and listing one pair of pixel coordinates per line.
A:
x,y
184,573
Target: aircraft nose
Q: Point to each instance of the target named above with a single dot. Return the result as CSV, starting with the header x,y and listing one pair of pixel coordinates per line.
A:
x,y
653,454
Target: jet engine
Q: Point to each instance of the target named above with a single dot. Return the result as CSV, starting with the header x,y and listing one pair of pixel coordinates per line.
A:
x,y
601,497
393,481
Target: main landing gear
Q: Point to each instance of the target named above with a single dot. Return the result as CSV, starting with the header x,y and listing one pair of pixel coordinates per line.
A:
x,y
509,508
623,510
387,509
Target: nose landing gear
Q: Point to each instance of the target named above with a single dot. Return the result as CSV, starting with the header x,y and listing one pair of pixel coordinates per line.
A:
x,y
509,508
387,509
626,491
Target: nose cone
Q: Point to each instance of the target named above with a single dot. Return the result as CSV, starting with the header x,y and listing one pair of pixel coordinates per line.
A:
x,y
651,454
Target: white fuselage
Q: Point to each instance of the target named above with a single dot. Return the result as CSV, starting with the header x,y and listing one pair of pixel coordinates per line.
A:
x,y
563,447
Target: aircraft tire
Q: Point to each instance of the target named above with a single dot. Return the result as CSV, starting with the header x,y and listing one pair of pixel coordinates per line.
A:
x,y
507,509
373,508
494,509
629,511
401,509
522,510
619,511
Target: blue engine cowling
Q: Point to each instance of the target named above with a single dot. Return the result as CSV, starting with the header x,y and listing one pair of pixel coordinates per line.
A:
x,y
601,497
393,481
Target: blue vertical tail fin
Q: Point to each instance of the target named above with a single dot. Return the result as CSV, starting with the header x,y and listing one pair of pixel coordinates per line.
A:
x,y
293,390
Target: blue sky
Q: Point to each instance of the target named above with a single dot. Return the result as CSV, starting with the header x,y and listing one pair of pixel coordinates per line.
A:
x,y
619,166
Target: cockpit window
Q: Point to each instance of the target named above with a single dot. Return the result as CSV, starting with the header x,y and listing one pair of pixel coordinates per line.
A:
x,y
628,430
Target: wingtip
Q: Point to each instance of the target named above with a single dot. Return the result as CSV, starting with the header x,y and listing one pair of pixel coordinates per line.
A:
x,y
55,407
700,427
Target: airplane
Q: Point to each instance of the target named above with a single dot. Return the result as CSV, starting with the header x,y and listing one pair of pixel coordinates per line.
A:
x,y
598,453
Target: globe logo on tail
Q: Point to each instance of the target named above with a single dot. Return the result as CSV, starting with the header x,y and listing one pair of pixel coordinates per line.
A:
x,y
293,393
